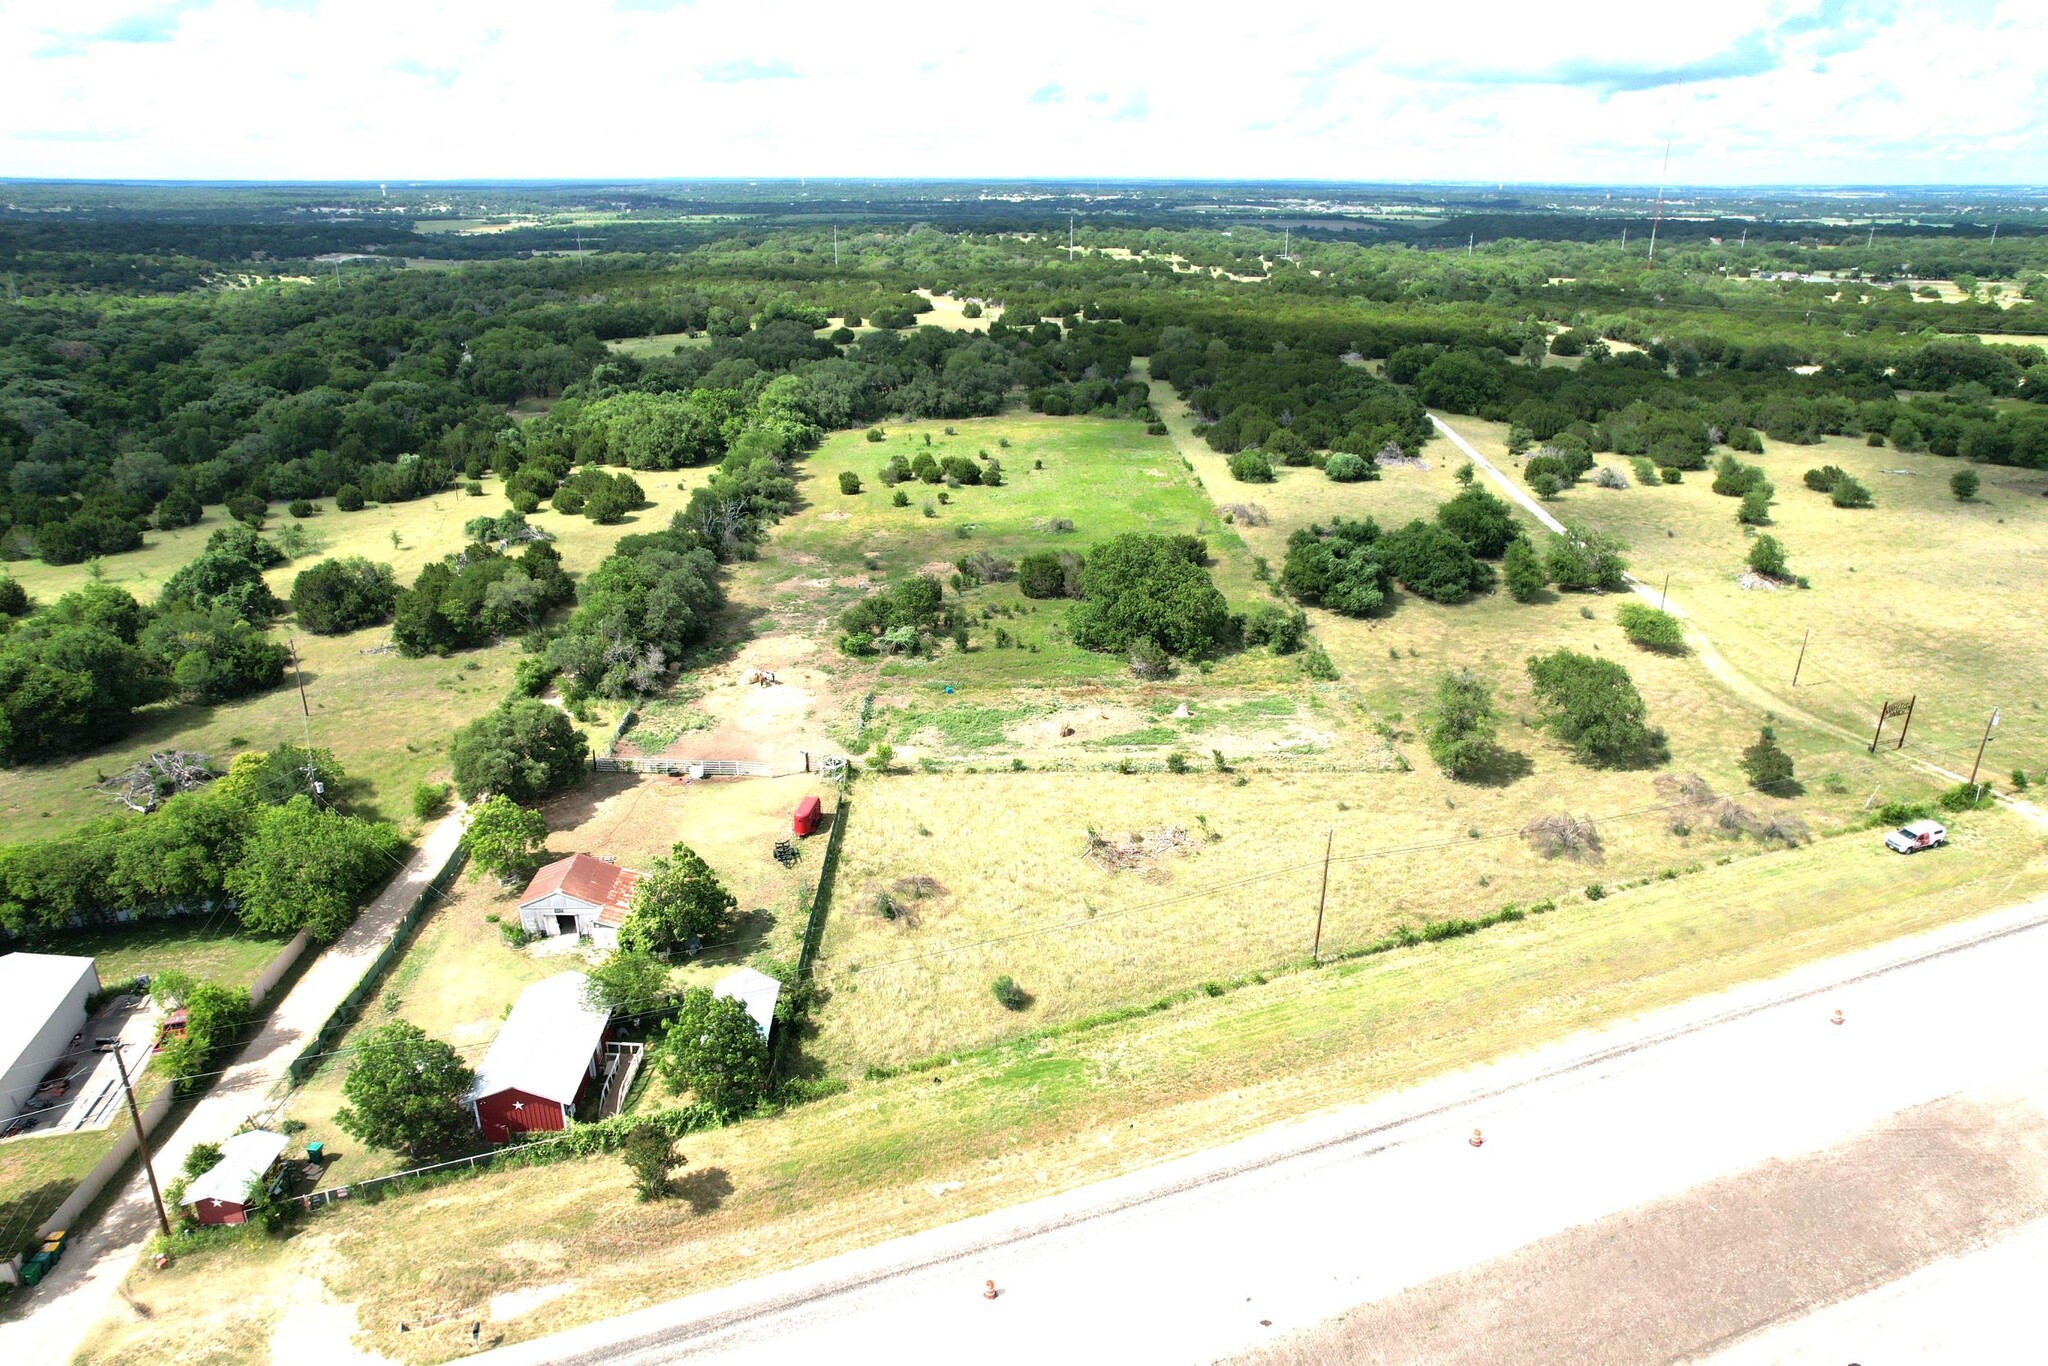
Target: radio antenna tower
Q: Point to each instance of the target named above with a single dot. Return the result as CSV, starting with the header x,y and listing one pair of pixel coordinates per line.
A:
x,y
1070,237
1656,217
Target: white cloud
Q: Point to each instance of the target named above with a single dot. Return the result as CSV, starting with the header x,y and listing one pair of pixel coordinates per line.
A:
x,y
1748,91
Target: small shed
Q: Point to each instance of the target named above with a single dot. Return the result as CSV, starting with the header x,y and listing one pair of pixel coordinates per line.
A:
x,y
756,991
221,1194
808,814
536,1069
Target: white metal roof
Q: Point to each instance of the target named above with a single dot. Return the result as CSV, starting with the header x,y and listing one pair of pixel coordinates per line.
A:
x,y
756,991
243,1159
547,1042
32,987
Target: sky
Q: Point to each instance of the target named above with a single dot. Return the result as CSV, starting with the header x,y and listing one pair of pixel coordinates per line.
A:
x,y
1588,91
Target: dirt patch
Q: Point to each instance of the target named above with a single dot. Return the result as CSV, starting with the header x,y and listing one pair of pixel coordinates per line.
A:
x,y
513,1303
1139,853
1078,725
769,722
1751,581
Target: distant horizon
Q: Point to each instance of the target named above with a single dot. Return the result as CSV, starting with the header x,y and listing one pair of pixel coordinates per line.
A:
x,y
2031,188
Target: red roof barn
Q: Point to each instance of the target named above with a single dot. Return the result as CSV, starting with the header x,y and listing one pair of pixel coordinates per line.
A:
x,y
578,895
537,1067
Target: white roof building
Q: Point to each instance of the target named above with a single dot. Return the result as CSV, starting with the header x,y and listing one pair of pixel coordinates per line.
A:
x,y
244,1160
754,990
547,1043
42,1005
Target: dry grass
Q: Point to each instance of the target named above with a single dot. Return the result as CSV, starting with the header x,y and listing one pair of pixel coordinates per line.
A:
x,y
1919,595
1015,1122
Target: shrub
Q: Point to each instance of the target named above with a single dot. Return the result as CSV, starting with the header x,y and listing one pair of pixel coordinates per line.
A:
x,y
338,596
649,1154
1049,574
1274,625
1483,522
1343,467
1963,484
429,800
1824,479
1008,993
1848,493
1767,766
1966,797
1251,467
1671,475
1459,723
1755,509
849,482
1732,479
1767,557
301,508
1546,485
1581,561
900,499
1593,707
1523,571
1650,628
877,434
1433,563
1176,762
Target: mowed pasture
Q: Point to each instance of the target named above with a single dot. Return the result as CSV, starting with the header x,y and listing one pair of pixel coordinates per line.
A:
x,y
1920,595
387,718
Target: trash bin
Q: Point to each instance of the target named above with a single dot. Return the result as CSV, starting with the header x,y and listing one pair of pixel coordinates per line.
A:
x,y
316,1152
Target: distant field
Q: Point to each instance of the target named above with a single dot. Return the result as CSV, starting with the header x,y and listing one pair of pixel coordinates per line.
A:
x,y
1919,595
662,344
388,719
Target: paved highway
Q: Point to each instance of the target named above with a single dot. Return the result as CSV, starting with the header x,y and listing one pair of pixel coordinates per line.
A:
x,y
1612,1214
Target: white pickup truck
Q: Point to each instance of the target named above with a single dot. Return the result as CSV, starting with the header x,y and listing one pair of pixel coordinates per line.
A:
x,y
1910,839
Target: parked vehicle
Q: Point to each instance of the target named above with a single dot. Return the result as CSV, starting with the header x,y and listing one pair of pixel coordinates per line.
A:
x,y
1911,839
171,1030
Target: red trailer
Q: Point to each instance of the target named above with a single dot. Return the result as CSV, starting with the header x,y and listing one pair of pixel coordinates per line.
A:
x,y
807,817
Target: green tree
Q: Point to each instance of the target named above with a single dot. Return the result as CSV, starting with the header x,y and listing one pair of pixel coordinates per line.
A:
x,y
1460,723
1138,586
1768,767
504,839
525,750
650,1155
677,897
1848,492
1593,707
407,1092
305,868
1483,522
337,596
713,1050
1767,557
1251,467
1523,570
1581,561
1964,484
629,982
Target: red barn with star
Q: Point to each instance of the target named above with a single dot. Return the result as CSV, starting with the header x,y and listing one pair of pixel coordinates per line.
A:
x,y
538,1067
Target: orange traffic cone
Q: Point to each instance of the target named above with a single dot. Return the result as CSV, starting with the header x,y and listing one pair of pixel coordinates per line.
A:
x,y
988,1290
1836,1018
1477,1139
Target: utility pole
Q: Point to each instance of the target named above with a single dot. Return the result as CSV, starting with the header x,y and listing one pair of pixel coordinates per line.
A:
x,y
1989,726
1658,216
1802,656
113,1046
1665,591
1470,238
1871,240
1070,238
835,246
1907,724
1315,952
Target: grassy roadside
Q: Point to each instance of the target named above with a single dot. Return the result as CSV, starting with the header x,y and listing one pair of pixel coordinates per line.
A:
x,y
1044,1113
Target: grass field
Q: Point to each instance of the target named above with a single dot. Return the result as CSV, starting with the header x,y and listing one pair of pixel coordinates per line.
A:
x,y
661,344
388,719
1920,595
212,948
1042,1114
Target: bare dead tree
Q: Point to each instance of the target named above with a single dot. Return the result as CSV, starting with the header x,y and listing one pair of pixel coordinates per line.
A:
x,y
1566,835
146,784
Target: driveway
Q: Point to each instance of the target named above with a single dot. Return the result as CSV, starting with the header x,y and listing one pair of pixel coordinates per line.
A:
x,y
62,1309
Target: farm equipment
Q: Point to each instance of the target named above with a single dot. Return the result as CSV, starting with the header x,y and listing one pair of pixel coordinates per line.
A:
x,y
785,853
